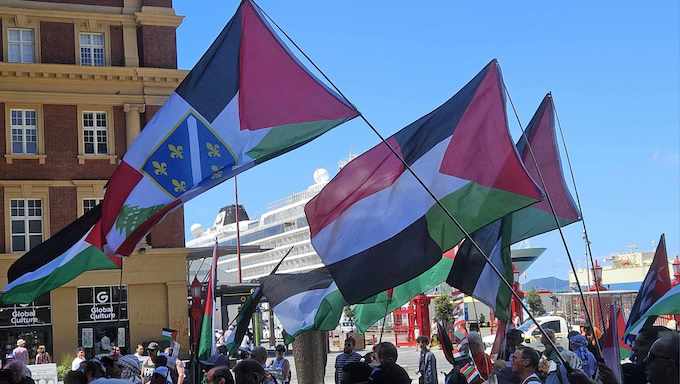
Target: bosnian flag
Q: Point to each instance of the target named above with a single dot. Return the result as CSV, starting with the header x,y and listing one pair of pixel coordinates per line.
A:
x,y
246,101
304,301
375,227
656,283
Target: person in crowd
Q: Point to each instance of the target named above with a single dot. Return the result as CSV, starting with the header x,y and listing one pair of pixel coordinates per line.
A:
x,y
20,353
605,375
663,359
551,354
356,373
130,369
249,372
220,375
19,372
634,372
281,365
578,344
513,339
260,355
42,357
525,365
347,356
74,377
427,364
172,364
388,372
247,345
149,364
482,360
139,353
115,352
79,359
369,358
92,370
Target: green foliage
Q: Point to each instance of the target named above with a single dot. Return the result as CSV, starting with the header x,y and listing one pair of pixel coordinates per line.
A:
x,y
63,367
443,308
535,304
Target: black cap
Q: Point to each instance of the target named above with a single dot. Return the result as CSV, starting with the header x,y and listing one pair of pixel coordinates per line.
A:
x,y
152,346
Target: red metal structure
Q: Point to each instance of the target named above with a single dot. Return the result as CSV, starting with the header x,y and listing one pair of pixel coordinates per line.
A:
x,y
422,303
515,305
676,272
404,325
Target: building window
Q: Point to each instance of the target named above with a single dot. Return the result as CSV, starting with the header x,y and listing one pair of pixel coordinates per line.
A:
x,y
24,129
89,204
26,224
20,45
92,49
95,133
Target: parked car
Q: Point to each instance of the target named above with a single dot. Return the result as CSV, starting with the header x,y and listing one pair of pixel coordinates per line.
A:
x,y
532,335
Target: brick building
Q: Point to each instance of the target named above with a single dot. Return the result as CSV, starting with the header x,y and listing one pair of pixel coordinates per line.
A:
x,y
78,80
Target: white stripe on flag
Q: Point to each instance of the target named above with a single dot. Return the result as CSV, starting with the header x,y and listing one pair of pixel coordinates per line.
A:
x,y
389,211
298,312
194,150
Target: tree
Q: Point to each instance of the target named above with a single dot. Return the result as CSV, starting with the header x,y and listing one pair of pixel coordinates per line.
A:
x,y
535,304
443,308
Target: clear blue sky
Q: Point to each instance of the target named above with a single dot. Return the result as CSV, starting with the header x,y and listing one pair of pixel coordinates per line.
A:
x,y
612,68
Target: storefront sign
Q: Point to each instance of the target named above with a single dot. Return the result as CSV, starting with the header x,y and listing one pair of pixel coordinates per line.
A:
x,y
44,373
25,315
98,304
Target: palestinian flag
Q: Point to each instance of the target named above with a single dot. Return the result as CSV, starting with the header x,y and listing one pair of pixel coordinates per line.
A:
x,y
374,214
206,341
668,304
611,352
471,373
374,309
304,301
243,319
56,261
470,272
168,335
655,285
624,349
247,100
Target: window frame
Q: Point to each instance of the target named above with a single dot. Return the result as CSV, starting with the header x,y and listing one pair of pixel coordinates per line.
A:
x,y
92,48
88,190
96,128
94,26
25,190
21,44
97,200
26,218
21,22
23,127
110,134
40,155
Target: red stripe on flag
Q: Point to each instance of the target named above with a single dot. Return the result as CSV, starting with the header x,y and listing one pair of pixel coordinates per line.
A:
x,y
369,173
543,142
95,239
481,149
128,246
274,89
122,182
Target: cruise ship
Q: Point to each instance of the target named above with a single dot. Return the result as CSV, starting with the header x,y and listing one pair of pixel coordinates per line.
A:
x,y
281,227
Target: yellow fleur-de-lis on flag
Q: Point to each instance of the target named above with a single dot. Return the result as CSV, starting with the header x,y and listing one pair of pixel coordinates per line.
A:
x,y
180,186
213,150
217,173
160,168
176,151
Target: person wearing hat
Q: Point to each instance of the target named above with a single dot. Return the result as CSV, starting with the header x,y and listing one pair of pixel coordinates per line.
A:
x,y
149,365
20,353
130,369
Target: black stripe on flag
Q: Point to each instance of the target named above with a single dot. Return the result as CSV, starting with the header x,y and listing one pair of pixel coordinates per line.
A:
x,y
279,287
214,80
390,263
55,246
468,263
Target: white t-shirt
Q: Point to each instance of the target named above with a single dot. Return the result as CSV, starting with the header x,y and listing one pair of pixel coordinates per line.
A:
x,y
75,365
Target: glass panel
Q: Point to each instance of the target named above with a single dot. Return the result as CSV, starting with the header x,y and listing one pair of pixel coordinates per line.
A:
x,y
89,148
85,56
16,117
13,53
85,295
102,148
88,119
31,148
14,35
18,227
34,240
27,35
18,243
17,147
42,300
30,117
84,38
27,53
98,39
35,226
98,57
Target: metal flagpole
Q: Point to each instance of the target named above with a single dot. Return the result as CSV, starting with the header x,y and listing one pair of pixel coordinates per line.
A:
x,y
554,214
580,210
408,168
388,297
238,234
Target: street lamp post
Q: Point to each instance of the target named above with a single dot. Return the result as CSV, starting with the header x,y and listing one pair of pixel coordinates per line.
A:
x,y
516,307
676,271
195,291
597,277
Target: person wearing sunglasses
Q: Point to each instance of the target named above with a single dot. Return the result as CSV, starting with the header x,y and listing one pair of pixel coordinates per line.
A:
x,y
663,360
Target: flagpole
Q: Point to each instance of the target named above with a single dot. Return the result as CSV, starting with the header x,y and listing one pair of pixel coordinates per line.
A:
x,y
238,234
580,210
120,298
554,212
388,298
408,168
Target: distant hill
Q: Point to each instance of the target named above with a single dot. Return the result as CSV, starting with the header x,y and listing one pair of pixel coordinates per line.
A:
x,y
550,283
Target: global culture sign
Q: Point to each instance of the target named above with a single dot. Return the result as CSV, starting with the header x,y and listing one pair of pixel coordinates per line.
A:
x,y
96,304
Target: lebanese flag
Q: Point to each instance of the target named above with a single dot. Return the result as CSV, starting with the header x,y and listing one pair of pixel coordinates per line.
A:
x,y
656,283
375,227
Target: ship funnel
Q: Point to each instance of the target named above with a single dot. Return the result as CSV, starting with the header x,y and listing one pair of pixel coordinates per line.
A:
x,y
230,214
